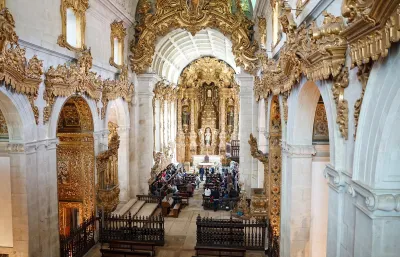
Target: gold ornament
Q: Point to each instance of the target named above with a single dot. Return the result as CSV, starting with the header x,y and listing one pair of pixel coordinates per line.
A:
x,y
117,32
192,16
19,75
262,31
66,80
363,76
114,89
340,83
372,26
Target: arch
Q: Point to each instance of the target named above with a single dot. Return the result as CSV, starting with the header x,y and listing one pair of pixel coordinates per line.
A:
x,y
117,112
75,164
377,148
18,115
56,110
193,17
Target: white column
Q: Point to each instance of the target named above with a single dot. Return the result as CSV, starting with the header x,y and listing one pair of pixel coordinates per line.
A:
x,y
145,142
296,209
262,140
123,163
157,126
247,126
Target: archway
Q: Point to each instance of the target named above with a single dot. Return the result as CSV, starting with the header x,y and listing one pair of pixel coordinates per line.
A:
x,y
75,164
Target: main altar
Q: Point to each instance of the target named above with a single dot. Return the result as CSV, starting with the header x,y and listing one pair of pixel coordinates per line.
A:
x,y
208,110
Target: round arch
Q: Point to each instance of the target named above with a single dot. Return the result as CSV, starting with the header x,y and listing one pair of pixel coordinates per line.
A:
x,y
118,112
19,116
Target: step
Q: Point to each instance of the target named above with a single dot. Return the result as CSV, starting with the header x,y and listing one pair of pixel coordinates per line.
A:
x,y
148,209
136,207
126,207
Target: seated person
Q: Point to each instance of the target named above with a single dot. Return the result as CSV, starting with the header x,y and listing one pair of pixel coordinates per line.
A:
x,y
189,189
215,196
233,193
207,192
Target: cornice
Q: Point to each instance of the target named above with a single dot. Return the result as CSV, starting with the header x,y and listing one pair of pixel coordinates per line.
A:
x,y
336,179
118,11
298,151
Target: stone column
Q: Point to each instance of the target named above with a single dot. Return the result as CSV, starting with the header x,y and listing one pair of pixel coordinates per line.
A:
x,y
246,127
296,207
144,146
262,139
123,163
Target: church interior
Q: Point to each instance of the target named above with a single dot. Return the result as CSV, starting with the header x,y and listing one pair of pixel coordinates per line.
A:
x,y
189,128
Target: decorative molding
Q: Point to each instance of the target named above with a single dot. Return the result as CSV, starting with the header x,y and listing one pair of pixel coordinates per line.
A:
x,y
16,148
300,4
318,53
262,32
66,81
335,178
372,26
79,7
114,89
193,16
377,200
165,92
20,76
2,4
119,32
298,151
342,110
363,76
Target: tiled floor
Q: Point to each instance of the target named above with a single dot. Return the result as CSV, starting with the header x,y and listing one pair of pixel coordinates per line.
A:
x,y
180,233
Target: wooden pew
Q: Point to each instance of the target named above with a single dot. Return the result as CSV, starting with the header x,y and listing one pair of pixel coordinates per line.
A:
x,y
220,251
123,253
175,210
166,206
133,246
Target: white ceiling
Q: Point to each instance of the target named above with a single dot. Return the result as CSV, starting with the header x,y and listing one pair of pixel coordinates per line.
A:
x,y
179,48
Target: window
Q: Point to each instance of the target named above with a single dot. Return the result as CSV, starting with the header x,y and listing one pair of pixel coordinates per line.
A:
x,y
276,25
118,33
73,14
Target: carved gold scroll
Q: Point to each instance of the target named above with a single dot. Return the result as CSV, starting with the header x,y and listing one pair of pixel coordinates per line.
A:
x,y
372,26
114,89
65,81
192,16
19,75
107,172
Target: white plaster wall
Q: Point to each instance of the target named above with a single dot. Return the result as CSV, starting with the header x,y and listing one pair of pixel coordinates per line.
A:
x,y
6,222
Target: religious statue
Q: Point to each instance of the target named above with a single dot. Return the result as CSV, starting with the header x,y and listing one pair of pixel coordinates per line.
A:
x,y
185,116
207,137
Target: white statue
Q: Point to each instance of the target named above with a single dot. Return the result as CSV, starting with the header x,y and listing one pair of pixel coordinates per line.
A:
x,y
207,137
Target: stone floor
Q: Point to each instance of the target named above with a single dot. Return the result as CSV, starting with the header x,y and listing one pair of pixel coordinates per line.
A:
x,y
180,233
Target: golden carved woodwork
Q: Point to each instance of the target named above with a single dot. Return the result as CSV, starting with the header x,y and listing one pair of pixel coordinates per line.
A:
x,y
318,53
165,92
65,81
300,4
342,110
208,108
2,4
262,31
192,16
75,160
79,8
372,26
275,162
64,208
119,32
363,76
113,89
107,172
3,127
19,75
320,127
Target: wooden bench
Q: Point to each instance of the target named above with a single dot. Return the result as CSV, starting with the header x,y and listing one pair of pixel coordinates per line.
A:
x,y
184,198
166,206
175,211
133,246
122,253
219,251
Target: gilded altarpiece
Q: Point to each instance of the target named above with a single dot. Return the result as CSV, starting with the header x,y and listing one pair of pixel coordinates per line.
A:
x,y
3,128
208,109
75,164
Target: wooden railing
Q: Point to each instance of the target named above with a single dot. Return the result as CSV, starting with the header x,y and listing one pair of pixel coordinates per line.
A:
x,y
250,235
235,149
80,240
131,228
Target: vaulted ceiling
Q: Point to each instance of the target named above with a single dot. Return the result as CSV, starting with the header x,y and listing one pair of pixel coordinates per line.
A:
x,y
179,48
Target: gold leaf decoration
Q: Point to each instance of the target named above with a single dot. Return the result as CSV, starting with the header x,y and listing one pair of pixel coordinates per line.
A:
x,y
340,83
20,76
192,16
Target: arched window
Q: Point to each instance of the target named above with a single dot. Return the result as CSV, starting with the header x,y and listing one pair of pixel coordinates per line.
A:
x,y
276,25
73,14
118,33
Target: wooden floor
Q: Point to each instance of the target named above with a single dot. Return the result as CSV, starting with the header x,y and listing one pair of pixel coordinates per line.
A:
x,y
180,233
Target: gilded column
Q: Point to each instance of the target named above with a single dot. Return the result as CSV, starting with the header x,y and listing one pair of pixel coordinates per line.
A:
x,y
180,139
193,145
161,124
222,125
235,134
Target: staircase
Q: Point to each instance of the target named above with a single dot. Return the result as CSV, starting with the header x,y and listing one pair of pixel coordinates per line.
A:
x,y
140,206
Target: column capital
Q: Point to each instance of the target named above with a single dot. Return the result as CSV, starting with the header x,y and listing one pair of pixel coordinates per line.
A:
x,y
298,151
146,83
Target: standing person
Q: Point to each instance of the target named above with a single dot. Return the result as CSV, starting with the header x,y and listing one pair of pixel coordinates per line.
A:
x,y
201,171
215,196
198,182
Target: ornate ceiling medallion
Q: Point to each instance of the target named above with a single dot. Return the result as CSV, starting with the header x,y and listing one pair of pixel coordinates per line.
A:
x,y
66,81
114,89
192,16
372,26
20,76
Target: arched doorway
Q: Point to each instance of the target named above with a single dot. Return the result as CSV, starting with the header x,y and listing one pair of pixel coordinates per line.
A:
x,y
75,164
273,183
